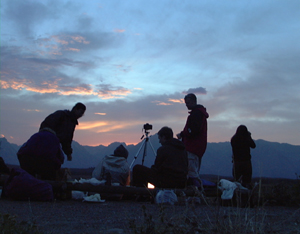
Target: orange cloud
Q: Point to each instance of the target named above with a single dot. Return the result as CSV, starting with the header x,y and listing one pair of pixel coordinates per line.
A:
x,y
113,93
176,100
159,103
73,49
53,87
56,43
119,30
163,104
29,110
91,125
102,126
80,39
100,113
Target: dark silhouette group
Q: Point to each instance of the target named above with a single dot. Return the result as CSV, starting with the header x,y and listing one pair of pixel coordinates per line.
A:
x,y
176,165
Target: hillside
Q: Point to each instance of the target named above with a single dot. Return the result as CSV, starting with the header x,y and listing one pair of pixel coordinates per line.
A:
x,y
269,159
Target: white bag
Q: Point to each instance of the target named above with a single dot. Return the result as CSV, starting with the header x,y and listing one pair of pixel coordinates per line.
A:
x,y
166,197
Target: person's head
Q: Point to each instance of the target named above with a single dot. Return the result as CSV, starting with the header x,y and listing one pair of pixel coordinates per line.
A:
x,y
242,130
165,134
121,151
190,100
78,110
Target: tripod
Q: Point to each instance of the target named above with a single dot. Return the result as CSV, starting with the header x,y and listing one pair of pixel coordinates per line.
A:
x,y
144,144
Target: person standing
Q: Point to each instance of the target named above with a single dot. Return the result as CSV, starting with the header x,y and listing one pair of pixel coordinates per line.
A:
x,y
170,167
42,154
194,137
241,142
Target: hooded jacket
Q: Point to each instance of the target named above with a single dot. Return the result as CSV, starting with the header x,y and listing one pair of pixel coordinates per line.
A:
x,y
63,123
171,162
194,134
116,166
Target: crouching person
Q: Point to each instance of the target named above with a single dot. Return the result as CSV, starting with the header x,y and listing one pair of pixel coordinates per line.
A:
x,y
42,156
114,168
171,164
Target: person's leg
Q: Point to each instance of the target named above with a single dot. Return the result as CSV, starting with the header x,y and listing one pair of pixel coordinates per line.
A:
x,y
238,169
142,175
247,174
193,166
193,170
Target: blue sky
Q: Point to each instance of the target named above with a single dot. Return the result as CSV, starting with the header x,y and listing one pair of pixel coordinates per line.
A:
x,y
132,62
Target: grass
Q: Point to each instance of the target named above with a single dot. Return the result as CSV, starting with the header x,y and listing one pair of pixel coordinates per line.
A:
x,y
215,218
9,225
212,217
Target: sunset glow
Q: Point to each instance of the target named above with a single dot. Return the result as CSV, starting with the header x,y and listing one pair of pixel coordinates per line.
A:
x,y
132,62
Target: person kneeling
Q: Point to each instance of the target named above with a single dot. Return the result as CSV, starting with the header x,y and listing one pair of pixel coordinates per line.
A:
x,y
170,168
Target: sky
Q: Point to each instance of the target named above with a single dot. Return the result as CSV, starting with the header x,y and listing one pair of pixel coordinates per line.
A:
x,y
132,62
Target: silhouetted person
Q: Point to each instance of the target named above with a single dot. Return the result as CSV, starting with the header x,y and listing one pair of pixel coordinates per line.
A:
x,y
42,154
3,167
170,167
114,167
241,142
194,137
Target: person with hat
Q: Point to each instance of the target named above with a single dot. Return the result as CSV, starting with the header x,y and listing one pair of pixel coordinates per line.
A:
x,y
114,168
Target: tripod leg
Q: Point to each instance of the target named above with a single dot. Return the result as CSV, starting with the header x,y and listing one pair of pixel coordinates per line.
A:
x,y
144,141
152,148
145,151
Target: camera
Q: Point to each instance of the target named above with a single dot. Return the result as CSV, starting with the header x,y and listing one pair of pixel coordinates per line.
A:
x,y
147,126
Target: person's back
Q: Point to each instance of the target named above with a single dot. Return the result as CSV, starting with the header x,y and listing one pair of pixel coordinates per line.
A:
x,y
171,162
116,166
170,167
63,123
241,143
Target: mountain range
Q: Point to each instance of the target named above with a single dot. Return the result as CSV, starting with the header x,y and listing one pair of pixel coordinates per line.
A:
x,y
269,159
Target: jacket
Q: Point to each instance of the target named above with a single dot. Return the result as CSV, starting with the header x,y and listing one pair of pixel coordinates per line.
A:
x,y
194,134
171,162
43,150
241,147
116,166
63,123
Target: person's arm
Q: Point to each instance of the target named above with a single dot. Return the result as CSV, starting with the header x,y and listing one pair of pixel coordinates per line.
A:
x,y
194,123
97,173
251,141
159,159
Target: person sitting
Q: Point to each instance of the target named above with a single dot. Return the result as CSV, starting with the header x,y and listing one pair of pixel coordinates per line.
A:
x,y
42,155
3,167
114,168
170,168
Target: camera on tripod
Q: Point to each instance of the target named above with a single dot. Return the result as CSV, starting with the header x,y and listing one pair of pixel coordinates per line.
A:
x,y
147,127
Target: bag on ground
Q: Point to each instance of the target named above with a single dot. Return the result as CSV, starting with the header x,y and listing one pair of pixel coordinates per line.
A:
x,y
20,185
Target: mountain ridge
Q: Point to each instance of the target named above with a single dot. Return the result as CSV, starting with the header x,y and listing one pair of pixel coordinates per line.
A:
x,y
269,159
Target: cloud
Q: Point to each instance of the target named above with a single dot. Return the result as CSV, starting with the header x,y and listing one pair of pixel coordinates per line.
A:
x,y
107,91
196,91
119,30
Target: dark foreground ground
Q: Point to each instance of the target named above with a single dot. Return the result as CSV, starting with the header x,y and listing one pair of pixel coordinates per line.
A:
x,y
278,212
143,217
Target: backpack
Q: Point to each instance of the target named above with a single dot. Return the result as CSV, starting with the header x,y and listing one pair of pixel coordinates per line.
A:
x,y
20,185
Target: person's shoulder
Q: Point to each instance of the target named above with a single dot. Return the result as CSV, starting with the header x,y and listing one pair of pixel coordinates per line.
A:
x,y
59,112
